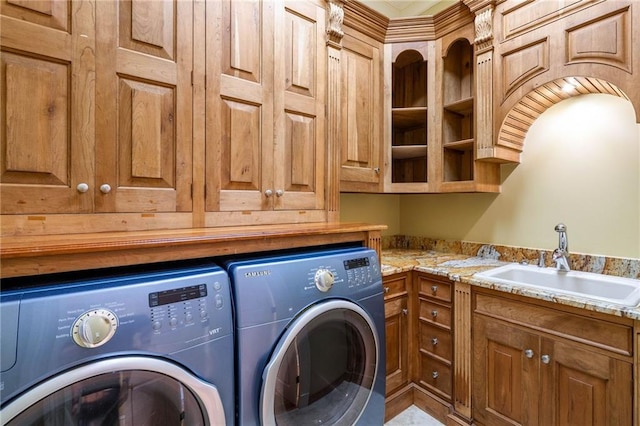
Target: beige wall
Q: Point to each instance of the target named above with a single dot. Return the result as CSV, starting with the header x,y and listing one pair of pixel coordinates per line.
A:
x,y
580,166
372,208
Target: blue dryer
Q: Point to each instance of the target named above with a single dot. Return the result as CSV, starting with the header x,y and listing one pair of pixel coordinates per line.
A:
x,y
310,341
144,348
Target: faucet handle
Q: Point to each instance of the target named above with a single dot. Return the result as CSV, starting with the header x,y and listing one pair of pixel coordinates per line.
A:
x,y
561,227
541,259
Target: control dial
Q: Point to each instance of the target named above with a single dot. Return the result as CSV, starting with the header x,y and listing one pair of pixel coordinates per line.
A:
x,y
324,280
94,328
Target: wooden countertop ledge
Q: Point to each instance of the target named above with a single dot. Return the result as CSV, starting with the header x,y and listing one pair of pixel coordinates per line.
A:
x,y
32,255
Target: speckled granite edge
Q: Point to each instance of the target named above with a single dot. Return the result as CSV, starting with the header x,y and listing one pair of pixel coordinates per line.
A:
x,y
462,267
618,266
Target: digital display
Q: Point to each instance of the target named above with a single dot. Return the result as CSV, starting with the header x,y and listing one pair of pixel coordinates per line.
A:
x,y
356,263
177,295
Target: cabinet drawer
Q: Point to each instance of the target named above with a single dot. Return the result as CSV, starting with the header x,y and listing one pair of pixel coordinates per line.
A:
x,y
435,340
435,313
435,375
434,289
394,285
593,331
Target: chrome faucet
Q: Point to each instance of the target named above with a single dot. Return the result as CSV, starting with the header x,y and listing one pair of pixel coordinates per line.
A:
x,y
561,254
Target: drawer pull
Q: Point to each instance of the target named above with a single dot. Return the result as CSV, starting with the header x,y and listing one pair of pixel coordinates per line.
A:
x,y
434,289
434,341
434,374
405,311
545,359
434,313
528,353
386,289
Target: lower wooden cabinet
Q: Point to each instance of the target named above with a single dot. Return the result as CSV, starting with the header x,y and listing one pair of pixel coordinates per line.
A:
x,y
435,346
469,355
396,310
537,366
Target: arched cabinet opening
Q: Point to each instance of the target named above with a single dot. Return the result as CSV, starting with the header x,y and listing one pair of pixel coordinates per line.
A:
x,y
457,116
409,118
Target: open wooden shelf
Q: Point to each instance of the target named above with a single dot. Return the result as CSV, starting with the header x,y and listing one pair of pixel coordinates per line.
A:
x,y
408,151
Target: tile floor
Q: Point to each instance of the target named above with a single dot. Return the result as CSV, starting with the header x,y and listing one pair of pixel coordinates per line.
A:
x,y
413,416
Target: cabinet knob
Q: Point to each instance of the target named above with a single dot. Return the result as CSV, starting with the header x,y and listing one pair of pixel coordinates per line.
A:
x,y
434,289
268,193
386,289
434,341
528,353
279,192
434,374
405,311
376,170
105,188
545,359
82,187
434,313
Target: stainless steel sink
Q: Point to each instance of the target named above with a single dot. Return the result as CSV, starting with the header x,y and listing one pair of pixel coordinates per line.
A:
x,y
618,290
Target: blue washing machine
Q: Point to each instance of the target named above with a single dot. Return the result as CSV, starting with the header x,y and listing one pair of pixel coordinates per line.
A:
x,y
144,348
310,341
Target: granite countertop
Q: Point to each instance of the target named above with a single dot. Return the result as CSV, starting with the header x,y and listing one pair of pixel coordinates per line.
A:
x,y
461,267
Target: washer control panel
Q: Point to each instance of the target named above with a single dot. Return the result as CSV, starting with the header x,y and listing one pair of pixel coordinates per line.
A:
x,y
163,311
361,270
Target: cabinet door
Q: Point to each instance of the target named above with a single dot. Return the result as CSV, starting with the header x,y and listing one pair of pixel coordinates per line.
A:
x,y
265,121
239,105
46,125
505,378
583,388
143,106
396,312
361,113
299,100
396,328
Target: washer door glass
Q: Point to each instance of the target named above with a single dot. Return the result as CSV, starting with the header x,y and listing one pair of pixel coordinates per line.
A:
x,y
130,396
323,369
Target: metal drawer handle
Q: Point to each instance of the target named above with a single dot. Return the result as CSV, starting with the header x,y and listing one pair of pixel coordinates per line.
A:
x,y
405,311
434,289
545,359
528,353
434,374
434,313
386,289
434,341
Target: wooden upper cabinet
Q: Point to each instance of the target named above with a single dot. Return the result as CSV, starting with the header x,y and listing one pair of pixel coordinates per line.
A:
x,y
97,115
362,113
143,106
265,147
46,131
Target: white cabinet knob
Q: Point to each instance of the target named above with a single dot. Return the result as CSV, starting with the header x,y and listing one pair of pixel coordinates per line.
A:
x,y
279,192
268,193
545,359
528,353
82,187
105,188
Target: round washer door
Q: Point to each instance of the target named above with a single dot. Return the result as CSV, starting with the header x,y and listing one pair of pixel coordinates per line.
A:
x,y
323,368
119,391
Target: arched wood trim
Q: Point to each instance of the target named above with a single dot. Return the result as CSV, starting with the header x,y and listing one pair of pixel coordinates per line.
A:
x,y
518,120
